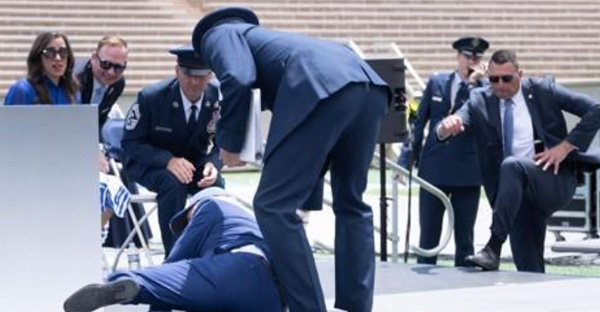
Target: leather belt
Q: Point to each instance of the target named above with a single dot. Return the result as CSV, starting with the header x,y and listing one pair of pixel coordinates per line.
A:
x,y
251,249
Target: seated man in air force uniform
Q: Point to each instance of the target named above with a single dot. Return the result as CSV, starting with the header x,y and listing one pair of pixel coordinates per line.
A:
x,y
168,139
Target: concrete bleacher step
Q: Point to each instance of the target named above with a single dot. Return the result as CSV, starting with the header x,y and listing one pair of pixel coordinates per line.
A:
x,y
551,36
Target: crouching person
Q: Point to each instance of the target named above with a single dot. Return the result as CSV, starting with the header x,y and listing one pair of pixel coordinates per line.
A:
x,y
219,263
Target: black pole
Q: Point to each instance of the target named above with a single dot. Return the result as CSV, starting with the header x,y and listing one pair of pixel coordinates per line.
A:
x,y
408,218
383,203
411,159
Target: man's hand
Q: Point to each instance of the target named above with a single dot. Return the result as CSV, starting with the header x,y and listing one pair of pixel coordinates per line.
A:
x,y
182,169
478,72
209,174
553,156
449,126
103,163
231,159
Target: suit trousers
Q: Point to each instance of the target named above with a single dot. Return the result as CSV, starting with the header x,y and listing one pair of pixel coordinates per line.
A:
x,y
465,202
236,282
341,130
197,281
527,196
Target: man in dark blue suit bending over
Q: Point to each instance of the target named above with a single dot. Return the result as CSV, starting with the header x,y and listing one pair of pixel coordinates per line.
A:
x,y
529,162
327,104
168,139
219,263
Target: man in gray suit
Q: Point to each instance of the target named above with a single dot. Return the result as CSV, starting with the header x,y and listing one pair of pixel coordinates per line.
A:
x,y
529,162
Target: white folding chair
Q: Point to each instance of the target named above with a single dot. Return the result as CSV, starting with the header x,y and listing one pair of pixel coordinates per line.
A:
x,y
112,132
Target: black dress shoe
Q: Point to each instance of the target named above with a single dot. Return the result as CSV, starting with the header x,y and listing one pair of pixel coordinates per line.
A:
x,y
94,296
486,259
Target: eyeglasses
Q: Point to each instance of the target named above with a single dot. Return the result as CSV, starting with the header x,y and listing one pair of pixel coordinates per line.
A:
x,y
107,65
504,78
51,53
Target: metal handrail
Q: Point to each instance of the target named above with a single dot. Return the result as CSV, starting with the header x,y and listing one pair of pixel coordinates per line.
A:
x,y
409,67
355,48
442,197
410,91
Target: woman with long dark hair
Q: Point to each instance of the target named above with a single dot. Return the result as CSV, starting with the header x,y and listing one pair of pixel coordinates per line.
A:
x,y
50,77
50,81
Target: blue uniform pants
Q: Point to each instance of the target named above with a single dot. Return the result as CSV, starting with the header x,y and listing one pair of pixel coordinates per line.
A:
x,y
234,282
465,201
341,130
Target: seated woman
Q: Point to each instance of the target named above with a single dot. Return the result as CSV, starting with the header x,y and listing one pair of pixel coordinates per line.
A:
x,y
50,81
50,77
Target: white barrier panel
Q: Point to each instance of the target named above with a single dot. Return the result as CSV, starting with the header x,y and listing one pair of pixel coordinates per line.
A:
x,y
49,205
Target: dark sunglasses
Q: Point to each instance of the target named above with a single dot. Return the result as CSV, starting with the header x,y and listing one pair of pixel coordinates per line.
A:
x,y
505,78
107,65
51,53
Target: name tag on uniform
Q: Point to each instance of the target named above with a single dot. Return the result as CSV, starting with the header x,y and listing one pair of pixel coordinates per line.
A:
x,y
436,99
163,129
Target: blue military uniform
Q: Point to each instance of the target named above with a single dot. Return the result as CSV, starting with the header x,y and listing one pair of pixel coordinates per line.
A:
x,y
155,131
219,263
327,104
452,166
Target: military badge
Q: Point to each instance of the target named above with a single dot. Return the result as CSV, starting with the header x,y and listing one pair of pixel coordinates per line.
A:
x,y
133,117
211,128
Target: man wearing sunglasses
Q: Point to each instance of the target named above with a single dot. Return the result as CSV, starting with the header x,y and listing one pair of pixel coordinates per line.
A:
x,y
438,161
168,138
529,161
101,76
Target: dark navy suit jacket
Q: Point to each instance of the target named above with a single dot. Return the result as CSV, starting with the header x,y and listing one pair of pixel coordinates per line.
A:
x,y
219,226
546,101
83,72
156,130
440,161
293,72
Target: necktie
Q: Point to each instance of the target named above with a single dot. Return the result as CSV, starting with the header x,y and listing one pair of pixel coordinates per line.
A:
x,y
192,120
98,95
508,127
461,96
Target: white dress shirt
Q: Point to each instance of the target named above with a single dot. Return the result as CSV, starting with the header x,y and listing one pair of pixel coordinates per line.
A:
x,y
187,105
523,127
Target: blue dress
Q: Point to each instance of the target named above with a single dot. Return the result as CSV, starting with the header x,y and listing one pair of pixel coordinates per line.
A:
x,y
23,93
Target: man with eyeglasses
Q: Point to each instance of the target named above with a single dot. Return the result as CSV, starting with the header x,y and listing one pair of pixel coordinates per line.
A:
x,y
169,134
101,76
438,161
529,161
